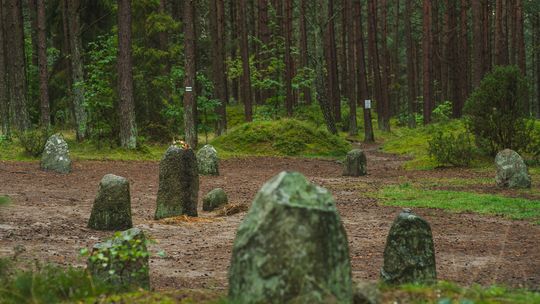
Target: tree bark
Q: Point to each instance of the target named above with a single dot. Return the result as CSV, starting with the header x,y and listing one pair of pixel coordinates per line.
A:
x,y
4,104
501,38
453,59
128,126
16,66
463,54
304,48
287,27
427,61
244,49
478,41
219,75
351,61
520,37
411,75
190,99
42,65
385,70
331,62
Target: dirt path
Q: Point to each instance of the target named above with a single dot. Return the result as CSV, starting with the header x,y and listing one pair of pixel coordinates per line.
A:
x,y
49,214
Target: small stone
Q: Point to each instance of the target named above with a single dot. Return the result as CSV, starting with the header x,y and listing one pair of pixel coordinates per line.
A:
x,y
55,155
178,184
409,256
366,293
112,206
214,199
291,247
511,170
122,260
355,163
208,161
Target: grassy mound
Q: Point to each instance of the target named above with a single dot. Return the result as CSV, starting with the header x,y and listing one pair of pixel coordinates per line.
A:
x,y
286,137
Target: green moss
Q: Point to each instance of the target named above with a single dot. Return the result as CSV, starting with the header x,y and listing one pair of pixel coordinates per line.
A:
x,y
286,137
406,195
4,200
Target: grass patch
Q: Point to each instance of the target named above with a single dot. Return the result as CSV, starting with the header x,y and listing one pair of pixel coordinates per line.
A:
x,y
406,195
286,137
449,293
4,200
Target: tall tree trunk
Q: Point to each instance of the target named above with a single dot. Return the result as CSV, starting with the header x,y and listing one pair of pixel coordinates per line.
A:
x,y
501,38
304,48
478,40
427,61
435,54
411,75
4,104
385,70
190,98
233,19
361,69
463,54
219,76
348,27
128,126
453,59
264,33
77,76
287,27
332,65
520,37
32,15
42,64
375,62
244,48
16,65
536,40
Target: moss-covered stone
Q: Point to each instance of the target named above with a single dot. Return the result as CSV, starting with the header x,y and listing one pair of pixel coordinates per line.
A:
x,y
55,156
122,260
112,206
511,170
291,247
409,256
355,163
208,161
178,184
214,199
366,293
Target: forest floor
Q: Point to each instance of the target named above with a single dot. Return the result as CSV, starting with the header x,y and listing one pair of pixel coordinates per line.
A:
x,y
47,219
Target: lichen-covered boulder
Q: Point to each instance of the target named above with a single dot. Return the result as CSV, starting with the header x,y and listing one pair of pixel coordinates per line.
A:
x,y
178,184
214,199
366,293
409,256
511,170
55,155
355,163
291,247
112,206
208,161
122,260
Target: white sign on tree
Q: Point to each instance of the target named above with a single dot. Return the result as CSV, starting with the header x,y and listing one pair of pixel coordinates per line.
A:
x,y
367,104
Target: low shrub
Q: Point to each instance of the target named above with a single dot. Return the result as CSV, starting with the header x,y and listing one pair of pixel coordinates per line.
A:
x,y
449,149
442,112
33,141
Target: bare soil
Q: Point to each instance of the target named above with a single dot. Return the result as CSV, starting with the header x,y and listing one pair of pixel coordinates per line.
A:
x,y
49,213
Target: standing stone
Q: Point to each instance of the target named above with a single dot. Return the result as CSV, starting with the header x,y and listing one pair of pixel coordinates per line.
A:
x,y
122,261
214,199
55,155
208,161
511,170
355,163
409,256
291,247
112,206
178,184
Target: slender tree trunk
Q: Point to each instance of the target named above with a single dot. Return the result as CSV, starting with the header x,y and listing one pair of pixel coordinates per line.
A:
x,y
487,37
385,70
244,48
233,16
520,37
287,27
435,54
463,55
411,75
351,61
4,104
478,40
361,69
304,48
128,126
16,65
219,76
264,32
32,15
332,67
190,98
501,39
77,75
427,61
453,59
536,41
42,64
376,63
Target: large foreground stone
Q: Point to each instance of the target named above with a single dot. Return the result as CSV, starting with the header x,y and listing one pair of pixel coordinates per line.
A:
x,y
55,156
355,163
291,247
112,206
511,170
178,184
208,161
122,260
409,256
214,199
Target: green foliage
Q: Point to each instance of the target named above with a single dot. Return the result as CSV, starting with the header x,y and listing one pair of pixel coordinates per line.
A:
x,y
497,111
406,195
442,112
449,149
48,284
33,141
206,106
280,138
4,200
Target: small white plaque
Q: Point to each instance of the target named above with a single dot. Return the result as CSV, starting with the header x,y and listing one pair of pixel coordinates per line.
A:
x,y
367,104
189,89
